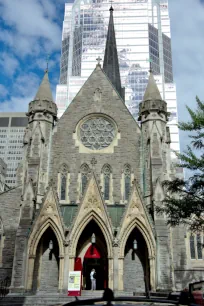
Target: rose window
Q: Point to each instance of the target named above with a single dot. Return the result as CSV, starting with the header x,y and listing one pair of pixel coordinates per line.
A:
x,y
97,133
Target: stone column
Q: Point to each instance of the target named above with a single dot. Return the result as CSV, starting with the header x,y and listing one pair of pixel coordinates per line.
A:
x,y
115,267
31,262
120,273
110,272
152,273
61,272
66,268
71,263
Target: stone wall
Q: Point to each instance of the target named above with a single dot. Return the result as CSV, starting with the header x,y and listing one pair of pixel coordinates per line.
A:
x,y
164,277
9,213
64,149
46,268
133,273
49,272
184,277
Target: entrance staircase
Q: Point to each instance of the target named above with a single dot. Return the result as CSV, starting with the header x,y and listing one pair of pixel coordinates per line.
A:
x,y
45,299
56,299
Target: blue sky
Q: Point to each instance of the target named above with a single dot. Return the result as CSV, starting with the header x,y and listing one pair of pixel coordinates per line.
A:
x,y
30,29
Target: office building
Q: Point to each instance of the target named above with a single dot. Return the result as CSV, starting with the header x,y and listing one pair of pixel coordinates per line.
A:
x,y
12,128
143,36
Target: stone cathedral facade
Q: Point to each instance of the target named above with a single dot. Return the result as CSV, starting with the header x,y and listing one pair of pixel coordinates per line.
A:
x,y
87,190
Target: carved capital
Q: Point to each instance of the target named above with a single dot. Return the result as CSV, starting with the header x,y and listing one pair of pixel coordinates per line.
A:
x,y
66,243
31,256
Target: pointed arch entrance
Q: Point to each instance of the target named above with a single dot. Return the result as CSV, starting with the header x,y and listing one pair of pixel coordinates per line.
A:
x,y
46,265
136,263
92,253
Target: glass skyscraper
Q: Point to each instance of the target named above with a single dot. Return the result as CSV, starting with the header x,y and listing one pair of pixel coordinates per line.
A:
x,y
143,38
12,130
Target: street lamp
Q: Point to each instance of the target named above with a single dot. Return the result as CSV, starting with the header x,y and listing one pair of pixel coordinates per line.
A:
x,y
51,245
134,244
93,239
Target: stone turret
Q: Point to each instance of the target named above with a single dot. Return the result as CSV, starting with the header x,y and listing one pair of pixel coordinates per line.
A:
x,y
156,163
43,107
152,105
42,115
153,115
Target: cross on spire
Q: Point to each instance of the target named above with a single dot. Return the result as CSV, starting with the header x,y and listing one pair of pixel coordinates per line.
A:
x,y
150,64
47,61
99,60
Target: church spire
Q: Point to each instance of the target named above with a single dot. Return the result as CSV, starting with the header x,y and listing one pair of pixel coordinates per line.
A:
x,y
43,101
110,63
152,101
152,91
44,91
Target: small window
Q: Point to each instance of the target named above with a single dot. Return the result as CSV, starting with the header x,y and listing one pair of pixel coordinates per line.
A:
x,y
199,247
192,246
63,187
84,176
196,246
106,181
127,178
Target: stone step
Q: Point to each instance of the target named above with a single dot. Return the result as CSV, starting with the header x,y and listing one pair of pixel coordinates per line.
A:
x,y
58,299
35,300
90,293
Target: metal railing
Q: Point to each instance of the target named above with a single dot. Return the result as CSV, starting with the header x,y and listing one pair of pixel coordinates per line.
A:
x,y
4,287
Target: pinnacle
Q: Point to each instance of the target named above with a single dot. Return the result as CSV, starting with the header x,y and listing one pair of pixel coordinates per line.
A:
x,y
152,91
44,91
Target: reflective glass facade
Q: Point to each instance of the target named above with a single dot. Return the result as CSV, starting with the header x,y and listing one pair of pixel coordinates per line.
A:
x,y
143,37
12,129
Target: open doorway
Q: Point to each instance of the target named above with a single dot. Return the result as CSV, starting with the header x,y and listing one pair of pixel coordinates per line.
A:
x,y
92,255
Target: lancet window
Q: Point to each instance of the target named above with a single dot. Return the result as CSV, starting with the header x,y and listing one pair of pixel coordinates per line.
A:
x,y
106,171
63,187
127,181
84,176
63,182
196,246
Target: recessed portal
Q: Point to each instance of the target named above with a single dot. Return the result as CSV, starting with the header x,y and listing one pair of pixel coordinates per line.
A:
x,y
46,268
92,254
136,263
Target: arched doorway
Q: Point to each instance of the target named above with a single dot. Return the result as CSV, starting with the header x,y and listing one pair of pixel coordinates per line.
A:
x,y
46,266
136,263
92,255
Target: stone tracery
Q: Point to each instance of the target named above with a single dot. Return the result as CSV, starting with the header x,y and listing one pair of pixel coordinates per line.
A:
x,y
97,133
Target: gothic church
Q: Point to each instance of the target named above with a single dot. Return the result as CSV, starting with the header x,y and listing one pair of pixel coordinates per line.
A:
x,y
87,190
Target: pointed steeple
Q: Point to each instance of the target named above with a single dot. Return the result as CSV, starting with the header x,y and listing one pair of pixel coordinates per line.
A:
x,y
43,101
152,100
152,91
44,91
110,63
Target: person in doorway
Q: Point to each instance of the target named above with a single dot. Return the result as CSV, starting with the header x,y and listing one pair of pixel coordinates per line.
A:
x,y
93,279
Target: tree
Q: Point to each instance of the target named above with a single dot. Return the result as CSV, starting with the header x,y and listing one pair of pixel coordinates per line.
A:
x,y
184,201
